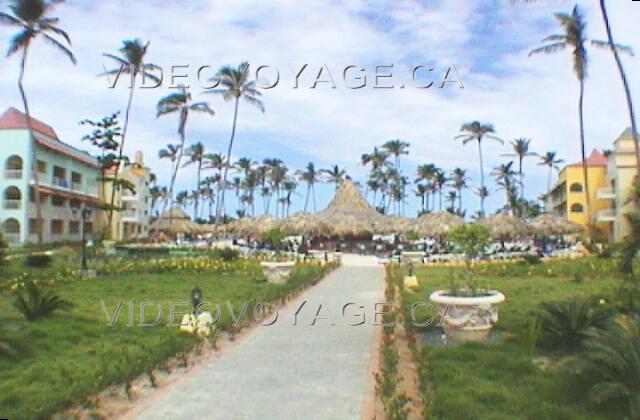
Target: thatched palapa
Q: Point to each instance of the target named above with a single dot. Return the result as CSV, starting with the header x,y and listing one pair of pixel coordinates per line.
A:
x,y
504,226
174,221
548,224
436,224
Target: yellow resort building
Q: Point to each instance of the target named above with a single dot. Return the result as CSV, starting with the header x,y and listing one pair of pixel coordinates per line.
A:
x,y
610,179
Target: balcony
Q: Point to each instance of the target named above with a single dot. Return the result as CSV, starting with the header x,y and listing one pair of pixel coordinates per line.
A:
x,y
13,174
129,215
10,204
606,194
76,186
606,215
60,182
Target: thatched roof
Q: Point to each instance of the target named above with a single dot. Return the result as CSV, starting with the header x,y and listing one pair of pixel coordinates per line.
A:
x,y
436,224
505,226
303,224
174,221
255,228
548,224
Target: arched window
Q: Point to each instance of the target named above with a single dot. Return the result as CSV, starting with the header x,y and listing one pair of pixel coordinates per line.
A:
x,y
576,187
13,167
11,230
12,198
577,208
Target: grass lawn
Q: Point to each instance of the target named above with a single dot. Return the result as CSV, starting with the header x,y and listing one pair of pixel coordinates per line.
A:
x,y
500,380
73,355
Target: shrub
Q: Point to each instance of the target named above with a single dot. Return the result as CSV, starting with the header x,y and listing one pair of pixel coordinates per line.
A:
x,y
33,304
611,366
567,324
531,259
274,238
37,260
4,245
471,240
227,254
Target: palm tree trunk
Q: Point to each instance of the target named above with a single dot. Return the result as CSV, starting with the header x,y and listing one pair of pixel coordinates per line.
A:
x,y
34,163
175,172
120,154
584,160
306,199
313,196
521,176
460,200
197,198
226,167
549,178
625,83
481,164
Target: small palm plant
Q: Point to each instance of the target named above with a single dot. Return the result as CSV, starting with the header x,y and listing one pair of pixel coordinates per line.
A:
x,y
611,363
34,305
569,323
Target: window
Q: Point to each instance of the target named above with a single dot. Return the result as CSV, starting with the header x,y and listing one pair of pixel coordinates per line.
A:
x,y
42,167
74,204
88,228
13,167
33,226
57,201
576,187
577,208
12,198
60,177
74,227
57,227
76,180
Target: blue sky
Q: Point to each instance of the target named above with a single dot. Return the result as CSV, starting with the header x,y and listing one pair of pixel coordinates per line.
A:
x,y
487,40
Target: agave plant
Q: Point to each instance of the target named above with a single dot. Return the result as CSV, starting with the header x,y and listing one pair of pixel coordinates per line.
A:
x,y
34,304
611,364
568,323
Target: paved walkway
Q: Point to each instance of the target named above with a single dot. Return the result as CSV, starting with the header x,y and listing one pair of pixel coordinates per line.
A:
x,y
288,371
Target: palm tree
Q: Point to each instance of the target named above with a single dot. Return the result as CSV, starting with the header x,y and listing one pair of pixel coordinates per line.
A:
x,y
277,176
504,175
335,175
32,19
131,62
452,197
477,131
377,159
459,180
440,180
421,192
521,152
196,154
396,148
310,176
482,193
180,103
289,187
574,37
549,159
234,85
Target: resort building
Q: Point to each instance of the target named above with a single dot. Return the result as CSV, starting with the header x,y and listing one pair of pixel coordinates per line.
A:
x,y
132,222
66,179
610,180
567,197
621,170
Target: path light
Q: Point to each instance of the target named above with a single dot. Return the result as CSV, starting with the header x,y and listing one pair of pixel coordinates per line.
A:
x,y
196,296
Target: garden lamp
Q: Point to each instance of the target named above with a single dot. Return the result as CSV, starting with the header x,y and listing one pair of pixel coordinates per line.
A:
x,y
196,296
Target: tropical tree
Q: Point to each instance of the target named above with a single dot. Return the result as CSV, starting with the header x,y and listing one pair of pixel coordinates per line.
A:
x,y
505,178
521,152
482,193
289,187
234,84
440,180
550,160
196,154
459,181
334,175
574,36
396,148
131,62
33,20
180,103
310,175
421,191
477,131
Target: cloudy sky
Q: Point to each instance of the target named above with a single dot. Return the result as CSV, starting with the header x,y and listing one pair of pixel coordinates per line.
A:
x,y
486,40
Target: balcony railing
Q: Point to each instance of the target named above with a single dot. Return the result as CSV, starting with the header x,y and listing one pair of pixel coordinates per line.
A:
x,y
11,237
606,194
76,186
129,214
608,215
60,182
13,174
12,204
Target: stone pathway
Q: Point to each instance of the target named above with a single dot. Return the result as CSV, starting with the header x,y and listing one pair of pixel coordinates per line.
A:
x,y
288,371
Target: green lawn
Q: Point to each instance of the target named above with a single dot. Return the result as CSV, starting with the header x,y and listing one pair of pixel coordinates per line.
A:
x,y
70,356
499,380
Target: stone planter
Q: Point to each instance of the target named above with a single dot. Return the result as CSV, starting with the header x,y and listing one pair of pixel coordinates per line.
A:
x,y
277,272
467,318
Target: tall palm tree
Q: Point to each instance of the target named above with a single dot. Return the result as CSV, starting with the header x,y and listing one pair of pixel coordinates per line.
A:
x,y
459,181
32,19
310,175
452,197
335,175
505,175
131,62
196,154
549,159
440,180
396,148
289,187
521,152
180,103
234,84
377,158
477,131
277,176
482,193
574,36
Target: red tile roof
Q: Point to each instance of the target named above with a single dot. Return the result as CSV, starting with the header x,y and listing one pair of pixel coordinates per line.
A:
x,y
596,158
12,118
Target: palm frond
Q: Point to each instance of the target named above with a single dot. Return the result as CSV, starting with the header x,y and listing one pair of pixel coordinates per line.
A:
x,y
51,40
606,45
19,41
7,19
548,49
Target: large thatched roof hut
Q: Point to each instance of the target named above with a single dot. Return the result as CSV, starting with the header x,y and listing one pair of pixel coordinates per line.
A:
x,y
174,221
436,224
504,226
548,224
